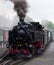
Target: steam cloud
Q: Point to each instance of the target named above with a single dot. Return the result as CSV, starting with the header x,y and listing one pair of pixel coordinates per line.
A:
x,y
21,7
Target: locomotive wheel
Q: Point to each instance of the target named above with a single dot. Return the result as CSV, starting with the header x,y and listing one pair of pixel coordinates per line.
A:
x,y
29,56
40,52
18,56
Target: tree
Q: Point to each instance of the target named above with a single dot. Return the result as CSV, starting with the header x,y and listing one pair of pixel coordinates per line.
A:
x,y
48,24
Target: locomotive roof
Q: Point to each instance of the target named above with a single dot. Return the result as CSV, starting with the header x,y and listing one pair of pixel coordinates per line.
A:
x,y
35,23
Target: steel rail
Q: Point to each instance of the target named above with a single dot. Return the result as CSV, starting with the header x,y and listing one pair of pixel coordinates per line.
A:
x,y
5,62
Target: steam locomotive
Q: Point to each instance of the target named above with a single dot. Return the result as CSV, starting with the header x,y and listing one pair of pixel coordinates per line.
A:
x,y
27,40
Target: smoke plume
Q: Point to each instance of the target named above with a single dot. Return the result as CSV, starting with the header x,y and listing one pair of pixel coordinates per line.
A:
x,y
21,7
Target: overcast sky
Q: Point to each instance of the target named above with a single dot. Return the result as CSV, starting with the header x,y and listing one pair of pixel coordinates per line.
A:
x,y
38,9
42,9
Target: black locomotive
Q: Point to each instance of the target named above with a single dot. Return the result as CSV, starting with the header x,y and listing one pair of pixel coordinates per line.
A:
x,y
26,40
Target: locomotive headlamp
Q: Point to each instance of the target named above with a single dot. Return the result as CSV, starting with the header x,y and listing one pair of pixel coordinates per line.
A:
x,y
20,45
26,44
30,45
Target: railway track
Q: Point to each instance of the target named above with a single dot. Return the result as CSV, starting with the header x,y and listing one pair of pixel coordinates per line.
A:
x,y
19,62
5,59
16,62
10,61
13,62
6,62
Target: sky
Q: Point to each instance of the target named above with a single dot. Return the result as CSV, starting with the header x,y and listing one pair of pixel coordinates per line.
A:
x,y
37,9
42,9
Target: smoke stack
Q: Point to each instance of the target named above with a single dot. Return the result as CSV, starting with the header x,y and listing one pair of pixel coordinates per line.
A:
x,y
21,7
